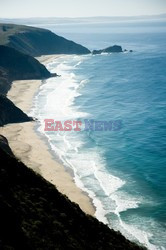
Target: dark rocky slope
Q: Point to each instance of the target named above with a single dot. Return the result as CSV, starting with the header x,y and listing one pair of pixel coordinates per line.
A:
x,y
34,215
36,41
9,113
111,49
15,65
5,146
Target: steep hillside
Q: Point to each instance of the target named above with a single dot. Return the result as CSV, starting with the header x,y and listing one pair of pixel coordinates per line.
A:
x,y
34,215
15,65
9,113
36,41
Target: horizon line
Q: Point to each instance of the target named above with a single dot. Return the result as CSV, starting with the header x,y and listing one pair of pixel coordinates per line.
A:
x,y
135,16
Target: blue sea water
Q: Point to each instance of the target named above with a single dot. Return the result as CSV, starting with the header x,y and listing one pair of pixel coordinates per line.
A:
x,y
123,171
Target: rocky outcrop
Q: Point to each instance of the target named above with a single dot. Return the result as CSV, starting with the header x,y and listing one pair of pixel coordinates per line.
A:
x,y
4,144
36,41
9,113
111,49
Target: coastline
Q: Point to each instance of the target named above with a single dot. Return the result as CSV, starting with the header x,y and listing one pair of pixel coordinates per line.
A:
x,y
29,147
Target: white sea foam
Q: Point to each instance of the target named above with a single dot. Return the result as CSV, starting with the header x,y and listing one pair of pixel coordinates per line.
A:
x,y
77,64
136,234
62,95
125,201
82,84
109,183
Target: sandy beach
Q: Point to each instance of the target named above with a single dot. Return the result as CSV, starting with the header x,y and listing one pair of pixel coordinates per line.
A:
x,y
48,58
33,151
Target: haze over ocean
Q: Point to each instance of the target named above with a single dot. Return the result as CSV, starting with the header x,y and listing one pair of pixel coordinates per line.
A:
x,y
122,171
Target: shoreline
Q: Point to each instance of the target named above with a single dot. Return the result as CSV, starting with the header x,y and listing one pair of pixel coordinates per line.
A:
x,y
33,151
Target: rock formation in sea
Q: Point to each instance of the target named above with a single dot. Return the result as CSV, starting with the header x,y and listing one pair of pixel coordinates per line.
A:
x,y
111,49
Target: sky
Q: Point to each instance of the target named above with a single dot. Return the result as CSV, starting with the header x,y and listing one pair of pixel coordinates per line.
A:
x,y
79,8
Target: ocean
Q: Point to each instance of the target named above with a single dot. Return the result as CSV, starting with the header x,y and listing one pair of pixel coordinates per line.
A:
x,y
122,170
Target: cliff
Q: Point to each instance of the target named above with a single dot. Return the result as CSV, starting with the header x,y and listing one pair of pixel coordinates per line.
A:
x,y
34,215
36,41
9,113
15,65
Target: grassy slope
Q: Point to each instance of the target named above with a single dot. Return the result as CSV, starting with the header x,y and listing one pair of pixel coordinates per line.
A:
x,y
36,41
7,30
